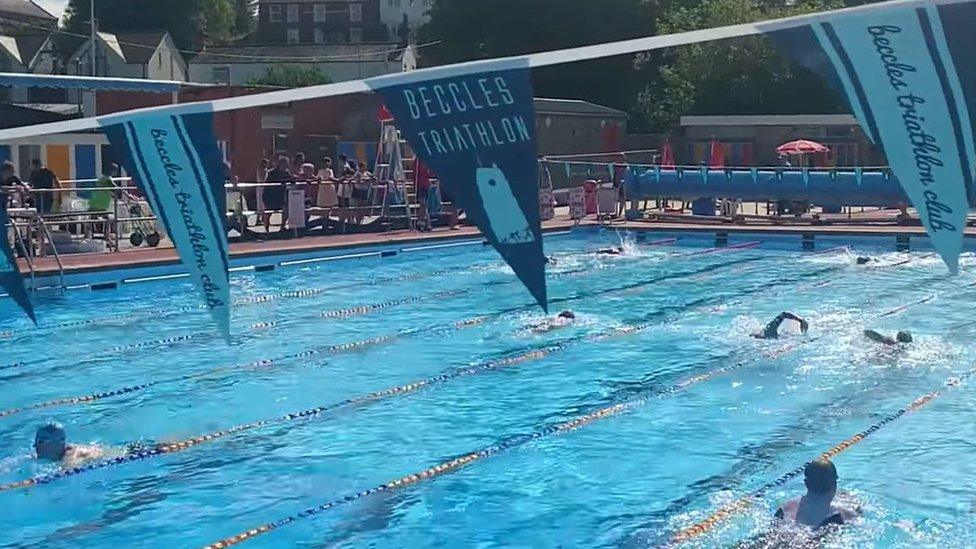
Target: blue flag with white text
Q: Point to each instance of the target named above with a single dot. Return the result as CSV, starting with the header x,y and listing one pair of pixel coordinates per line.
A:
x,y
10,278
909,77
176,162
477,131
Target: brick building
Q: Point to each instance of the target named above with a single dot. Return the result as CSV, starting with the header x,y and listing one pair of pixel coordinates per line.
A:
x,y
319,22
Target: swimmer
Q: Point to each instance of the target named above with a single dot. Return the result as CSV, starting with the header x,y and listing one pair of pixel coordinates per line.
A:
x,y
50,443
901,338
771,331
616,250
861,260
817,508
562,320
551,261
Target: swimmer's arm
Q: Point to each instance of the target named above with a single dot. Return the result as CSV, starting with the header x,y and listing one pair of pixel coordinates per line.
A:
x,y
804,325
878,338
78,454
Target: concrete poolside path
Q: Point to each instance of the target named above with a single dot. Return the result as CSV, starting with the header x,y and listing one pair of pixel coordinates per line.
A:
x,y
166,255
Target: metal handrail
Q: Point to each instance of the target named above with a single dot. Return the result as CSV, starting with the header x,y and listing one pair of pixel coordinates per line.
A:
x,y
45,233
27,253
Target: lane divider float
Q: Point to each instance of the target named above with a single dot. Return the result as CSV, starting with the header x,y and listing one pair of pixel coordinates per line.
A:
x,y
447,376
746,501
464,460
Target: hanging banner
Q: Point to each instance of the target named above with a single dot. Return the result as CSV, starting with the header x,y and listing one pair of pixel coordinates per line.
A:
x,y
908,76
10,278
176,163
477,131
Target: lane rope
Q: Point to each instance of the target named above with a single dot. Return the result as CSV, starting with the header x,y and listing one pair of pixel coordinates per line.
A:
x,y
489,451
353,346
574,424
447,376
746,501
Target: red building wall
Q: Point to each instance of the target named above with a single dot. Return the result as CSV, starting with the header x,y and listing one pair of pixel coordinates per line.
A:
x,y
317,124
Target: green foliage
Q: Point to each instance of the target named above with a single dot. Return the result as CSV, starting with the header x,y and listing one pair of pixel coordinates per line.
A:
x,y
743,76
291,76
740,76
479,30
186,20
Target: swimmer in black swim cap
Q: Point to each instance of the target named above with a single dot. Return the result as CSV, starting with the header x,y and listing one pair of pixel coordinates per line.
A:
x,y
817,509
771,331
50,443
616,250
861,260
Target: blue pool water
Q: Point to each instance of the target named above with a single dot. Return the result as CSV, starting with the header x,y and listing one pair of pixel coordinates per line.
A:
x,y
632,479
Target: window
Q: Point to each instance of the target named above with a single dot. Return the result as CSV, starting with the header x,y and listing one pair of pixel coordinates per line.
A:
x,y
355,12
356,35
319,13
274,13
336,37
293,37
221,75
319,36
292,13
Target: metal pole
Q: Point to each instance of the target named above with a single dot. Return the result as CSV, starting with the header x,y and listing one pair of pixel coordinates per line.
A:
x,y
94,51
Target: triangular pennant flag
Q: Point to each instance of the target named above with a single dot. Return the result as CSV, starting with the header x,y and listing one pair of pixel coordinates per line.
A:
x,y
858,175
806,175
755,174
657,173
569,170
907,73
704,174
476,128
611,170
728,174
175,161
10,278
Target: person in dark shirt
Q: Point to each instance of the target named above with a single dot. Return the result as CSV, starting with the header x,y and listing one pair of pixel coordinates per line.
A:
x,y
43,178
274,197
18,191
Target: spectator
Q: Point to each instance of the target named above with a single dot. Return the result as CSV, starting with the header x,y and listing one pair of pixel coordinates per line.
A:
x,y
327,196
17,190
43,178
274,197
421,177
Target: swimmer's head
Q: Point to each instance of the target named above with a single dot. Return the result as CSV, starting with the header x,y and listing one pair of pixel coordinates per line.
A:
x,y
820,476
567,314
863,260
904,337
50,442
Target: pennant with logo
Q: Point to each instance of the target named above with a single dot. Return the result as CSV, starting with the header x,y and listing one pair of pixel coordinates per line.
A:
x,y
908,75
10,278
175,161
477,130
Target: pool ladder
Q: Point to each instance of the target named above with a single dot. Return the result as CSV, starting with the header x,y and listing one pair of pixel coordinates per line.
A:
x,y
36,222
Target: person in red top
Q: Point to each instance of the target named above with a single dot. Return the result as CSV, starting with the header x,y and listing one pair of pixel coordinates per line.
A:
x,y
421,178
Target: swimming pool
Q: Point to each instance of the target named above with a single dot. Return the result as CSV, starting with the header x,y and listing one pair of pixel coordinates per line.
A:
x,y
402,402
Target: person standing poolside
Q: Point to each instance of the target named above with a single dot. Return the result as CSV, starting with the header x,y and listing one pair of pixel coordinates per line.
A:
x,y
274,197
771,331
817,509
43,178
50,443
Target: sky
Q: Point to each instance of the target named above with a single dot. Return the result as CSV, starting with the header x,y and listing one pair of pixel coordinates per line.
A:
x,y
56,7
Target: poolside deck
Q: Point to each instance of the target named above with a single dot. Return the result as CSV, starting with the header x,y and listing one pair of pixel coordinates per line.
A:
x,y
147,257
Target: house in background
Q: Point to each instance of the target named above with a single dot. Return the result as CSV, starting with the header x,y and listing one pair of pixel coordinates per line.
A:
x,y
151,55
402,18
34,54
24,17
241,65
318,22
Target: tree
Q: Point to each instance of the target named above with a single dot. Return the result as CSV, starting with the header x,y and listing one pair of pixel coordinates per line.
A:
x,y
292,76
186,20
739,76
469,30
